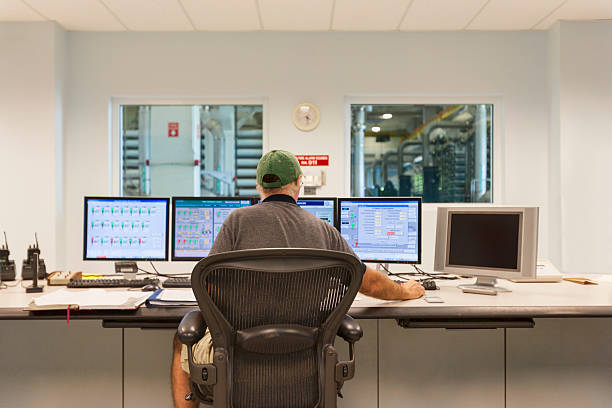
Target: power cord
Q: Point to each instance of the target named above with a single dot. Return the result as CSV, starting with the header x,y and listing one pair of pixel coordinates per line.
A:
x,y
157,273
418,272
11,286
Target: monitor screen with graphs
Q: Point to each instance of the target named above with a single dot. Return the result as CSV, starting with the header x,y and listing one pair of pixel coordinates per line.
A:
x,y
125,228
322,208
382,229
196,222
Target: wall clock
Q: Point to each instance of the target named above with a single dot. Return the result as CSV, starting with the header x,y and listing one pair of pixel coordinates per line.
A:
x,y
306,116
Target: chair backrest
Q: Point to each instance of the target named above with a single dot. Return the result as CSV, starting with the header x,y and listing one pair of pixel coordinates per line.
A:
x,y
272,312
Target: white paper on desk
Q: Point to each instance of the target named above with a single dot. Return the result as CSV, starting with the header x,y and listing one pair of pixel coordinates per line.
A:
x,y
177,295
93,299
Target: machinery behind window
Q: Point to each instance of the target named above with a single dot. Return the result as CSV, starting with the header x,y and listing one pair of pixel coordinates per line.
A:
x,y
442,153
191,150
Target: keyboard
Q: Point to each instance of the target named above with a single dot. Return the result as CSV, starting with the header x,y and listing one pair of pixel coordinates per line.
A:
x,y
178,282
111,283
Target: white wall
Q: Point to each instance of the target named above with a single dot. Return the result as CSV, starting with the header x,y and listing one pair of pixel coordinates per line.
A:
x,y
31,79
585,134
287,68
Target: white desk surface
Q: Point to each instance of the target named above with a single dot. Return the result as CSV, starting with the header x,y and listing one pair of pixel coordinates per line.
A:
x,y
563,299
522,294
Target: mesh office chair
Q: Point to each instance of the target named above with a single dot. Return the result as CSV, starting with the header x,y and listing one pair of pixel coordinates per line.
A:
x,y
273,315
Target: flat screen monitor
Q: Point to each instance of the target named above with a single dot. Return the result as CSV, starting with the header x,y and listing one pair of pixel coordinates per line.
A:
x,y
196,222
496,242
320,207
382,229
126,228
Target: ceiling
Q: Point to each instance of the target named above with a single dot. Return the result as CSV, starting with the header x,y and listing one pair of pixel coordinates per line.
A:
x,y
304,15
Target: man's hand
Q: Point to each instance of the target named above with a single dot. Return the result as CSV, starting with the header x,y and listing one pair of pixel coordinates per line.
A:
x,y
412,289
378,285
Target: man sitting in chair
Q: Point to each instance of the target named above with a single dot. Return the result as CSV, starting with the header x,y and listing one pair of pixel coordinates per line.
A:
x,y
278,222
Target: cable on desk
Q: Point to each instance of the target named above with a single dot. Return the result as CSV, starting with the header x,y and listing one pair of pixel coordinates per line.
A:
x,y
165,275
6,285
418,272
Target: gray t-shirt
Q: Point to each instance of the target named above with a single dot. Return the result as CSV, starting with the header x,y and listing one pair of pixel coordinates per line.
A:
x,y
276,223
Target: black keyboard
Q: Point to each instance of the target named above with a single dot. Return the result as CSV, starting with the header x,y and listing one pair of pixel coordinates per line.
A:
x,y
111,283
178,282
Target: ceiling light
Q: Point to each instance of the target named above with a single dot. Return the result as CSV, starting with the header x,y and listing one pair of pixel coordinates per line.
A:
x,y
387,116
375,129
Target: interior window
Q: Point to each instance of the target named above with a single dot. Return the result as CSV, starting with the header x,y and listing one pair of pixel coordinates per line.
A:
x,y
190,150
442,153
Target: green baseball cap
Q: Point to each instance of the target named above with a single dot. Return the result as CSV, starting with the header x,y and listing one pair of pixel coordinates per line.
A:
x,y
277,168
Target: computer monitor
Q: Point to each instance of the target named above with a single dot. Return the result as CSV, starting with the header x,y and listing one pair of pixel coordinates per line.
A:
x,y
382,229
196,222
125,228
323,208
487,242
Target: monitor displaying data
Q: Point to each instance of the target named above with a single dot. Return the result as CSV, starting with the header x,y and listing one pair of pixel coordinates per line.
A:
x,y
322,208
196,221
123,228
381,229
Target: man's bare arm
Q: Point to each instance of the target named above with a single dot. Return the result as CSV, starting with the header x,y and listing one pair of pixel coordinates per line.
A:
x,y
378,285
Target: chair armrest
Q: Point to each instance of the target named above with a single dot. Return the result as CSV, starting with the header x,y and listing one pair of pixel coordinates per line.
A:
x,y
192,328
350,330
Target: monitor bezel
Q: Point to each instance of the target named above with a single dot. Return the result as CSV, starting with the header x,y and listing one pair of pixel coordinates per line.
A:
x,y
419,200
528,243
131,198
173,256
334,199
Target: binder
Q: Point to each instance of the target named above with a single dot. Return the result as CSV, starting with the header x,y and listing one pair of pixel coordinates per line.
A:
x,y
88,299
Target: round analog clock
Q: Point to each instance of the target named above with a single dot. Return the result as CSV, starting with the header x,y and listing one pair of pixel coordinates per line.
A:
x,y
306,116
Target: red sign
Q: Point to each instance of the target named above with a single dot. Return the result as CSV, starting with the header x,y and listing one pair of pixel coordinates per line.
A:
x,y
313,160
172,129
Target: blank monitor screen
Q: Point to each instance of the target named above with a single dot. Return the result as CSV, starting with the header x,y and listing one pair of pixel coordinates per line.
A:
x,y
126,228
322,208
196,222
484,240
382,229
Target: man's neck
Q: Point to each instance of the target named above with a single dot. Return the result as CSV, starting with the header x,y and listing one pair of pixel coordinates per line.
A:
x,y
279,194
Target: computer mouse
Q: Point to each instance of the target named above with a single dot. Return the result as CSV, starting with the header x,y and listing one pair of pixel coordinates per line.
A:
x,y
151,287
429,284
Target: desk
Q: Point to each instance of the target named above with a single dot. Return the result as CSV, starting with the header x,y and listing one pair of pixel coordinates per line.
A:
x,y
428,367
527,300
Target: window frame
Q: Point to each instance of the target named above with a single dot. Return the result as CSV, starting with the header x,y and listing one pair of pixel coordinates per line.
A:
x,y
498,176
115,122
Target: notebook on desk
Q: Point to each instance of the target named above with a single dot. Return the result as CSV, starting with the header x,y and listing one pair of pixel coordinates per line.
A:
x,y
172,298
91,299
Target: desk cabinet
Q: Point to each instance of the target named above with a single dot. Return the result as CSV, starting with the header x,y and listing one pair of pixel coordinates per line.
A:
x,y
148,357
561,363
440,368
53,365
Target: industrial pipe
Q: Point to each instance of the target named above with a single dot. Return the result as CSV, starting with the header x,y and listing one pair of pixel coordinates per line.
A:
x,y
480,151
385,164
358,153
444,124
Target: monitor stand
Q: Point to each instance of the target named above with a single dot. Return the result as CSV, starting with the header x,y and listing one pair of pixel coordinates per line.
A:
x,y
486,282
127,268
